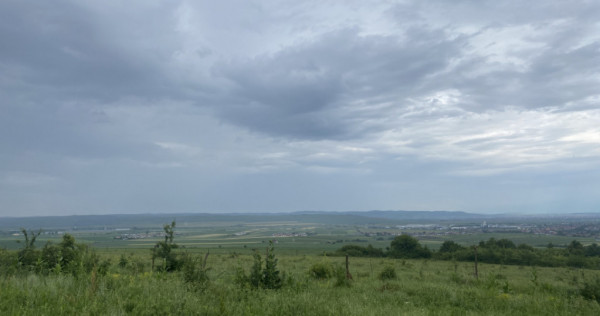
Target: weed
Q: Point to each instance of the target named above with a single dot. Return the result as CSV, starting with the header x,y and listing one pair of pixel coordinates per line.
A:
x,y
195,271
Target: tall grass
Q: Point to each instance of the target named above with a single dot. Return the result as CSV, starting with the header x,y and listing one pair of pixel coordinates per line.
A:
x,y
421,287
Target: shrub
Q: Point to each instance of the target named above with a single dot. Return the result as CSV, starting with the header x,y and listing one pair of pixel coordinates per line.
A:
x,y
64,257
341,279
8,262
388,273
123,261
591,290
321,271
195,271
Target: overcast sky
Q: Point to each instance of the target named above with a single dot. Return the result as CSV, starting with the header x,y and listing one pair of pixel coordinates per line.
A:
x,y
248,106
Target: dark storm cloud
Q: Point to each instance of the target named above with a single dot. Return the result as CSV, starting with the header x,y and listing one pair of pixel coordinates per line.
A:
x,y
301,91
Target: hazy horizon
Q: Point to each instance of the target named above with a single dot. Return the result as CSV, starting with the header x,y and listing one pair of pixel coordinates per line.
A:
x,y
282,106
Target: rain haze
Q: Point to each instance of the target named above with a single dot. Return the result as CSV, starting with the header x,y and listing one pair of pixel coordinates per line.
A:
x,y
275,106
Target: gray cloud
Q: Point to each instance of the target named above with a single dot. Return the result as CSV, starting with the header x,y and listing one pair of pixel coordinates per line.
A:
x,y
301,90
160,106
65,49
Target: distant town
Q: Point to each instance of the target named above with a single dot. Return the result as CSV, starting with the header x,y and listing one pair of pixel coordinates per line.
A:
x,y
430,230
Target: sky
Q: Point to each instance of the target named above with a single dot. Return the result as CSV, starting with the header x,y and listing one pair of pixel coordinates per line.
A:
x,y
153,106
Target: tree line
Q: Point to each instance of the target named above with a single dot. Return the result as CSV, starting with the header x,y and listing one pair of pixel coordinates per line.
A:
x,y
498,251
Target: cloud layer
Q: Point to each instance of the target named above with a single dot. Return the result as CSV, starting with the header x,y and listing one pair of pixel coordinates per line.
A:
x,y
160,106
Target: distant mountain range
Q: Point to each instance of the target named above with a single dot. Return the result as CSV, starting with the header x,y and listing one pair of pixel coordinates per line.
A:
x,y
422,215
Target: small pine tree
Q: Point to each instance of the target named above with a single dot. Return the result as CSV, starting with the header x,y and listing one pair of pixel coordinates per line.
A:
x,y
256,272
267,277
271,278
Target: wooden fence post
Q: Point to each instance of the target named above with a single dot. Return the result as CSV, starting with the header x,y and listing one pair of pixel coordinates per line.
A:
x,y
476,272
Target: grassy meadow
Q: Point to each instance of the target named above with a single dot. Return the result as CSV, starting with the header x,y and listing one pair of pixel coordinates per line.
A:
x,y
121,281
420,287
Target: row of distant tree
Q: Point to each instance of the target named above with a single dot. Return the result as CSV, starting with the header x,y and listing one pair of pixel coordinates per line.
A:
x,y
500,251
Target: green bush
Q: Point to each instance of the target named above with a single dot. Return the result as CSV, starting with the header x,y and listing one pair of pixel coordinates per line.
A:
x,y
321,271
123,261
341,279
267,277
591,290
195,271
388,273
8,262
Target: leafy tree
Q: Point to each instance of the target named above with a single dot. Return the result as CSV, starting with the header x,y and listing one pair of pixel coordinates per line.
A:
x,y
164,250
592,250
360,251
500,243
505,243
450,246
525,247
52,257
405,246
575,248
28,256
71,253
